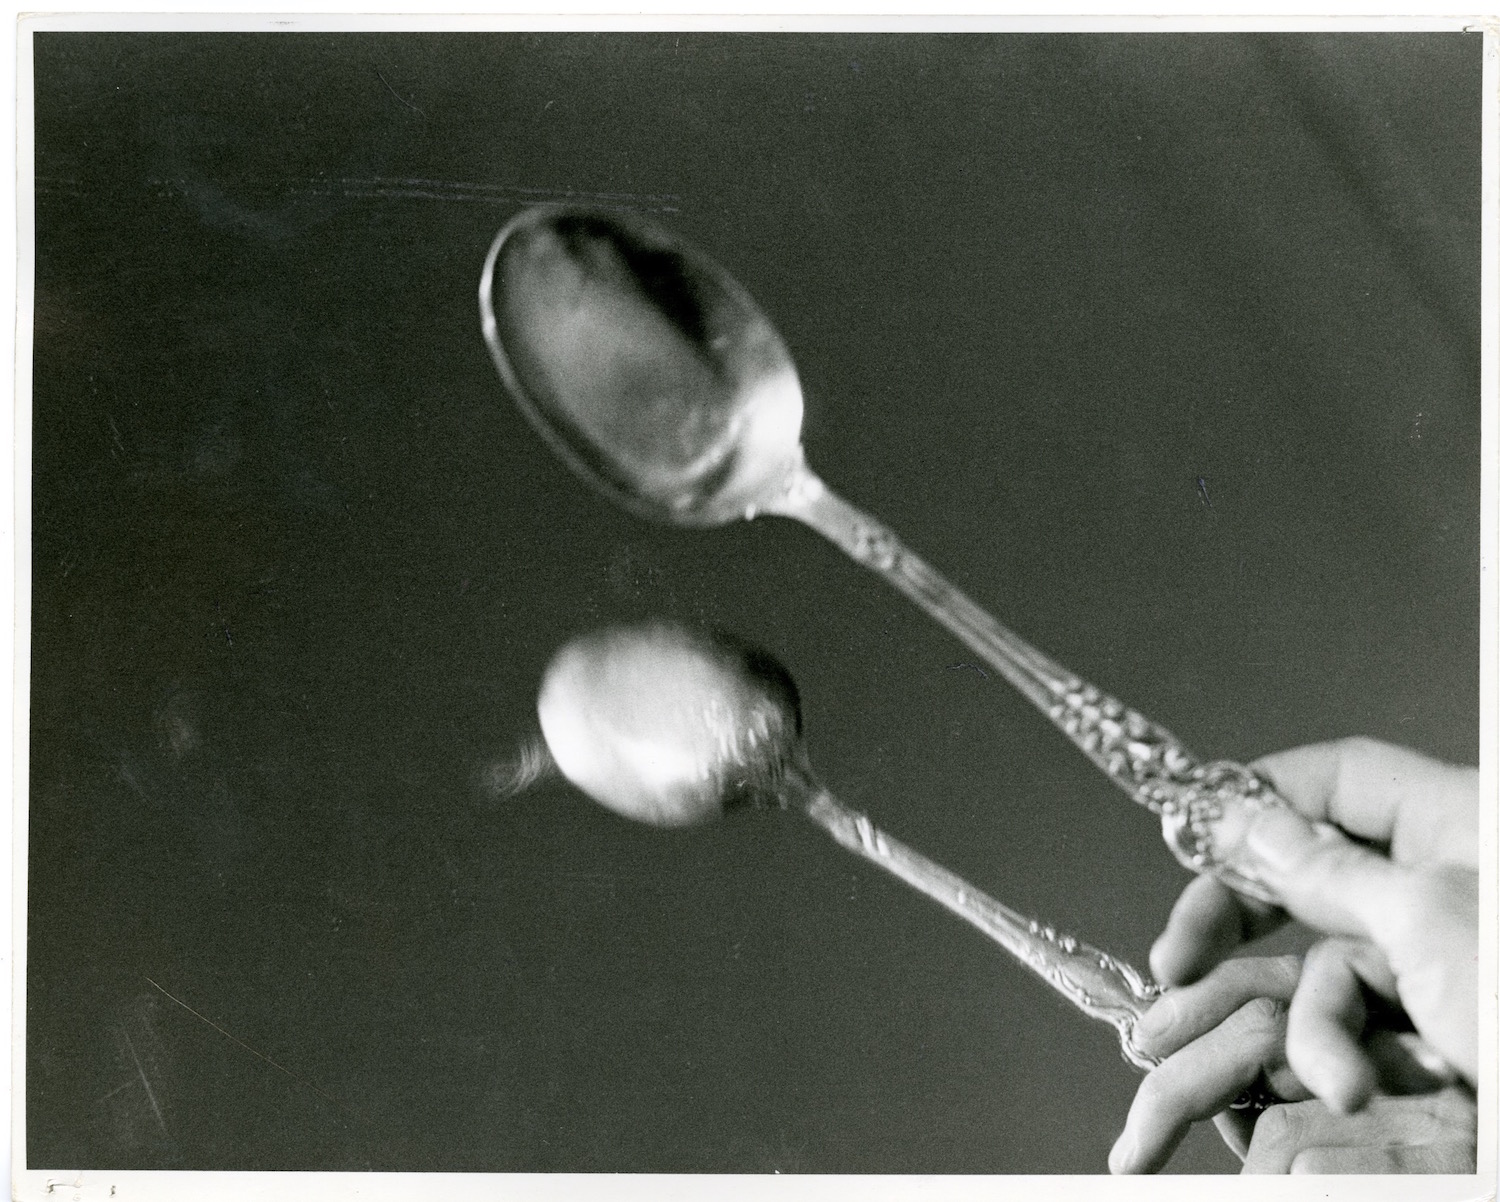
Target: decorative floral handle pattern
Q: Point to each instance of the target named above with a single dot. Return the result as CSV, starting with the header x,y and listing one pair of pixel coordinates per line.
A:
x,y
1098,984
1103,987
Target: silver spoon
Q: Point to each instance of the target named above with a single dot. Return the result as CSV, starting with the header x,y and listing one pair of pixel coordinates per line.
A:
x,y
650,371
674,726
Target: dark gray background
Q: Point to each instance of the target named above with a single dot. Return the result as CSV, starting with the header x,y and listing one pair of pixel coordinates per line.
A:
x,y
298,565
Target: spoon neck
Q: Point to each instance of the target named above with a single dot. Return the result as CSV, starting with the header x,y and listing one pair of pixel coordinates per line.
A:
x,y
856,533
792,491
796,786
805,497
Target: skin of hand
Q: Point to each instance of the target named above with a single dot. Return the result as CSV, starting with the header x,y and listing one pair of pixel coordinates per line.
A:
x,y
1397,886
1226,1032
1428,1133
1215,1038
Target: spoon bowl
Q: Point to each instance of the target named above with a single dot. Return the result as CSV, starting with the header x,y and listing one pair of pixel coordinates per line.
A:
x,y
644,364
671,725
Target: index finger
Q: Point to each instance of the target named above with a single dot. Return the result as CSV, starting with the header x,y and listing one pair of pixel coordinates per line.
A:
x,y
1418,807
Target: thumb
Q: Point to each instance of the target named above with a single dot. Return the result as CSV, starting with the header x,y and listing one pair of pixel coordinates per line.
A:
x,y
1326,880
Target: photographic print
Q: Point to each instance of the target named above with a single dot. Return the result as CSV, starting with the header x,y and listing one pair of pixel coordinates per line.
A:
x,y
977,446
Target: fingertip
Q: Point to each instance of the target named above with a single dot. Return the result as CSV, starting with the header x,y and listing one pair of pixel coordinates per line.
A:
x,y
1155,1024
1178,960
1235,1129
1168,964
1335,1075
1205,925
1124,1155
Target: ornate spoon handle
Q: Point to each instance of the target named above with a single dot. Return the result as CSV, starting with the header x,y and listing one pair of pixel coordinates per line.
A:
x,y
1104,988
1204,807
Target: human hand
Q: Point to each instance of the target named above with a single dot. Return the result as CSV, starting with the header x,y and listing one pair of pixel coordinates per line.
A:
x,y
1215,1039
1226,1034
1427,1133
1403,902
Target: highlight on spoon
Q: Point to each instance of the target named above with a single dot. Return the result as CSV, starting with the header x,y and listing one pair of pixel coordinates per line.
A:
x,y
642,363
668,724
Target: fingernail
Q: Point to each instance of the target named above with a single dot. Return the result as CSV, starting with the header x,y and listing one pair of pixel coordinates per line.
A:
x,y
1279,839
1122,1156
1158,1020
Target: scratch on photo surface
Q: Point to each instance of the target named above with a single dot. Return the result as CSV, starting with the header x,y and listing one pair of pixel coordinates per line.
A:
x,y
418,188
383,181
971,667
242,1043
104,1097
150,1093
455,190
128,777
397,94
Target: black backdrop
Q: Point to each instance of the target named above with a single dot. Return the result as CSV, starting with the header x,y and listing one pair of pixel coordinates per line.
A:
x,y
298,565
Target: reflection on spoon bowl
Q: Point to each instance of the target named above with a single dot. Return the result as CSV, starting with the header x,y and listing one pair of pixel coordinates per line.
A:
x,y
647,367
670,725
